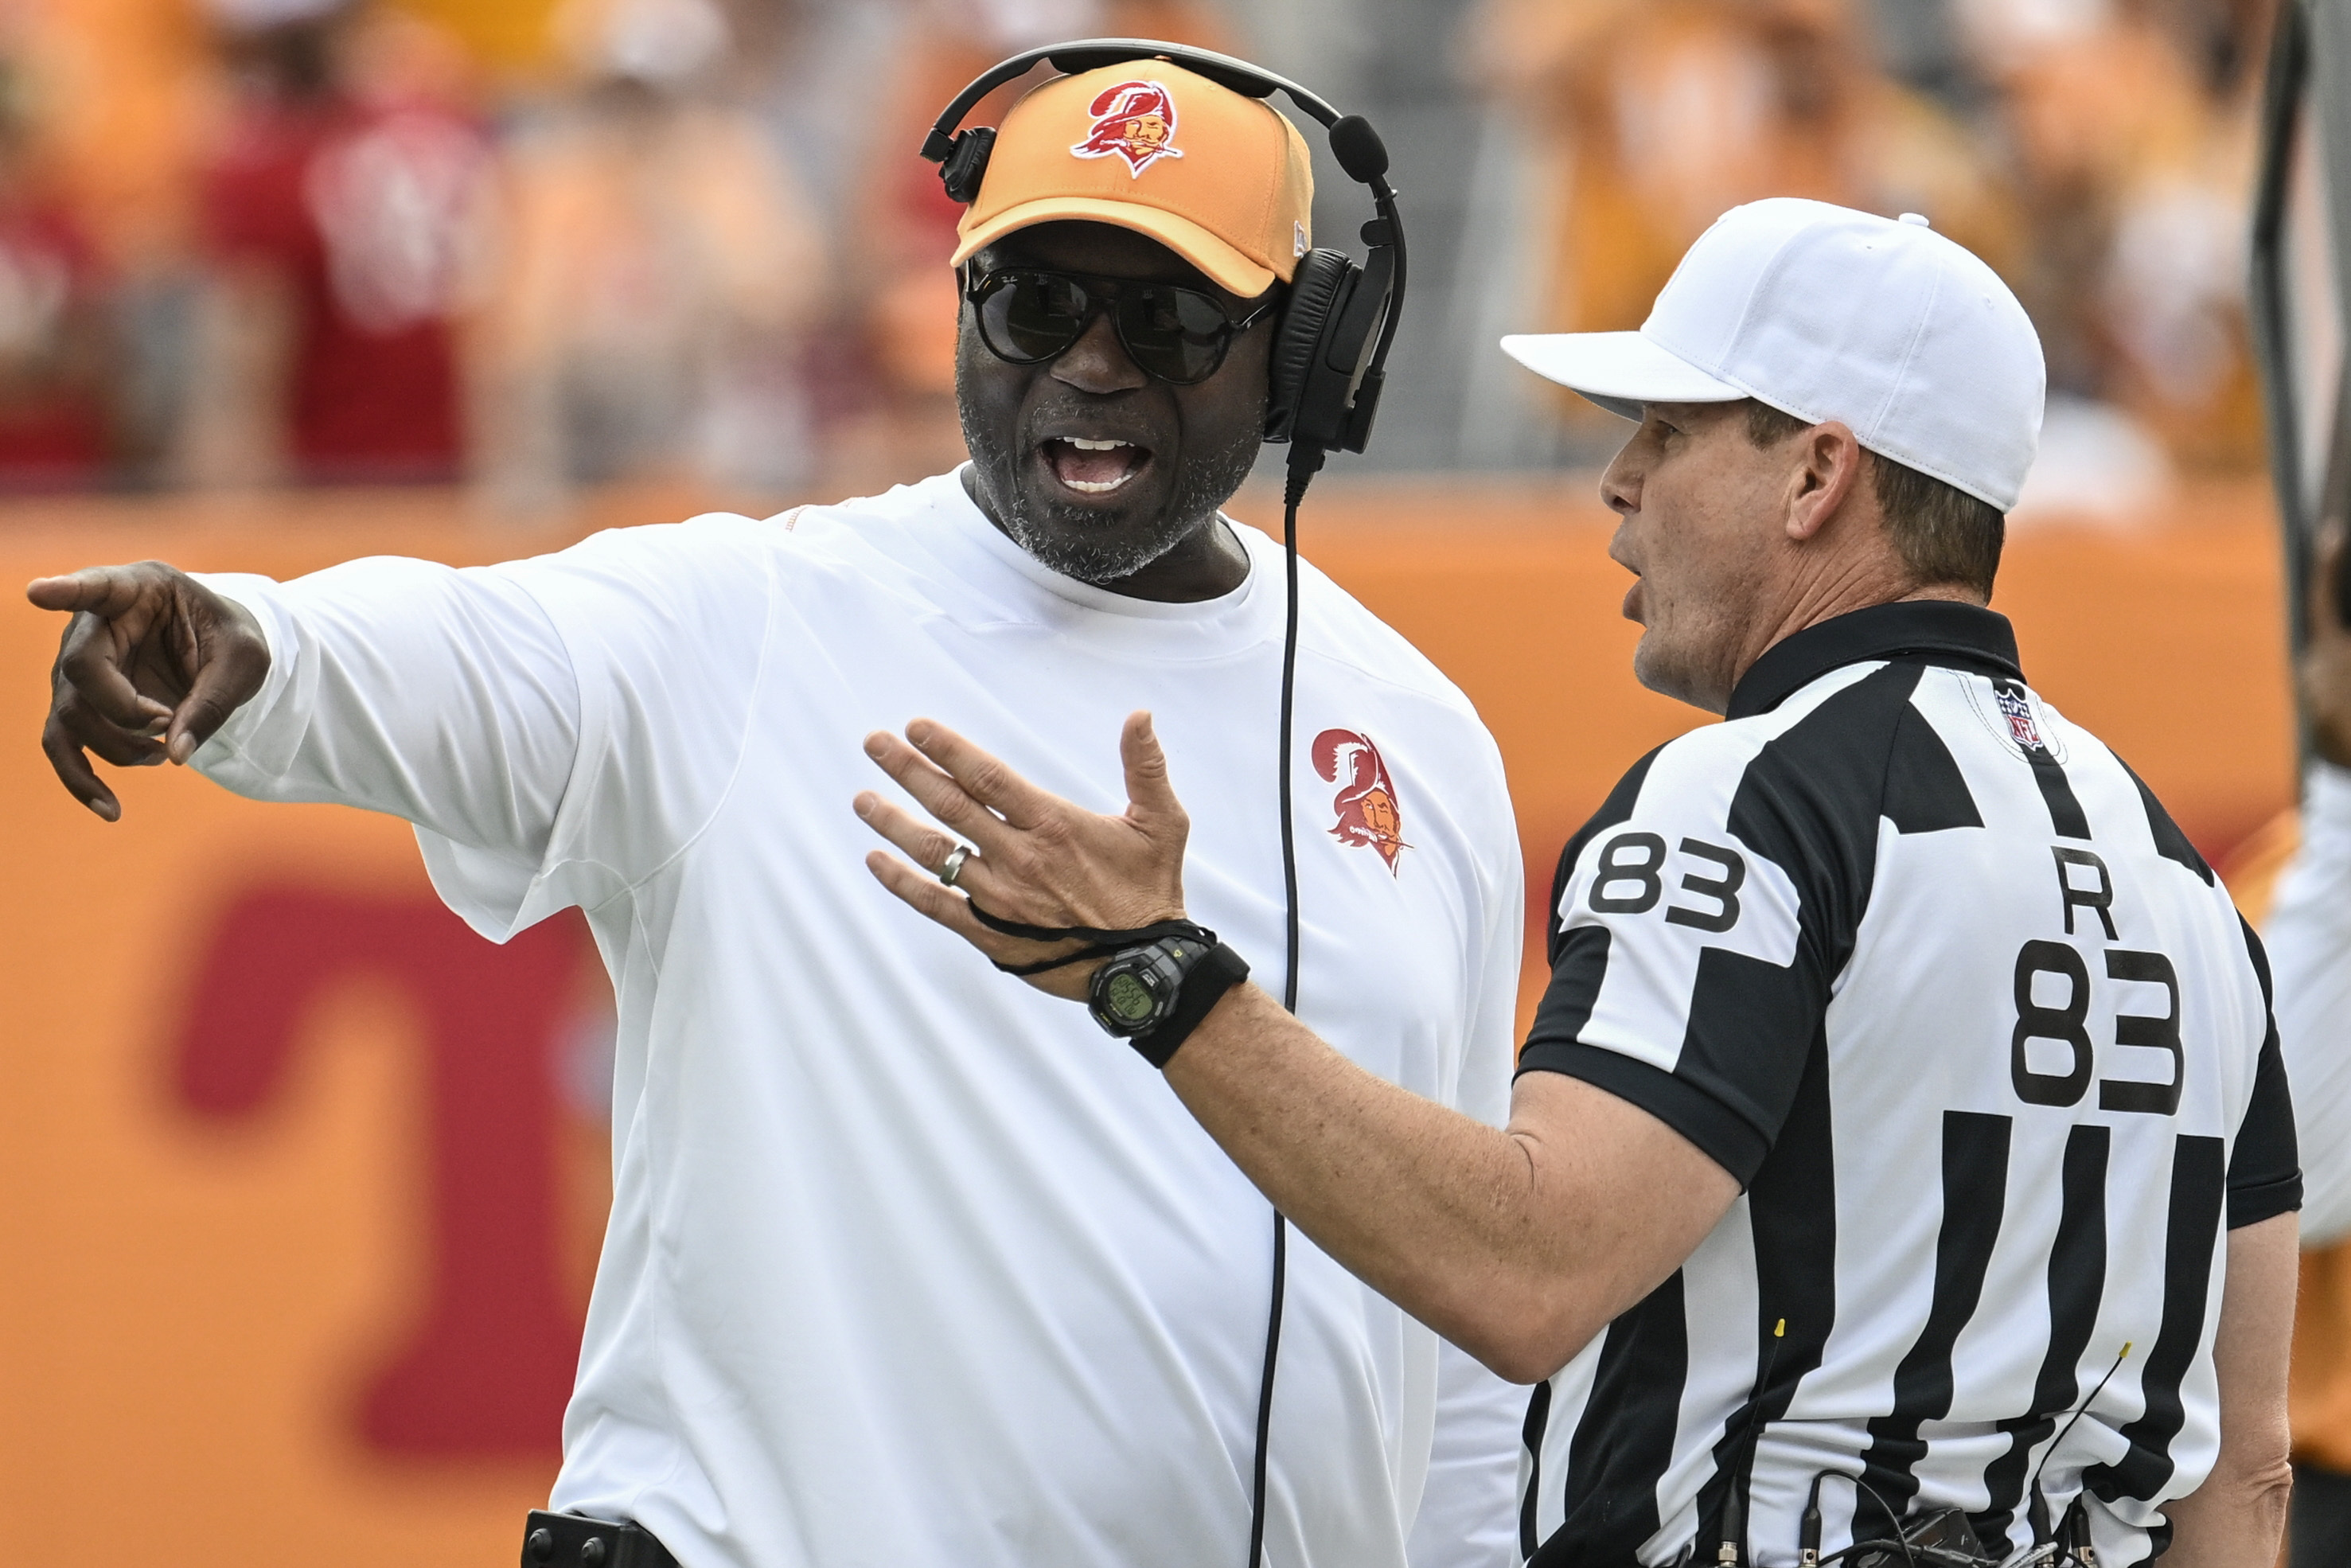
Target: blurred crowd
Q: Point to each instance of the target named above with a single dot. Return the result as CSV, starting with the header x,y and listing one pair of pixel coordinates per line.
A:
x,y
2100,153
533,246
340,242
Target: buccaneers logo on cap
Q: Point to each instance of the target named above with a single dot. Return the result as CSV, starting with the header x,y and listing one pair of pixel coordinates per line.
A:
x,y
1134,121
1366,802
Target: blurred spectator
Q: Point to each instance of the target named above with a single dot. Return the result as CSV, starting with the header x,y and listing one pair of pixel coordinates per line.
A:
x,y
1655,115
343,217
661,262
711,256
2097,152
55,367
2132,128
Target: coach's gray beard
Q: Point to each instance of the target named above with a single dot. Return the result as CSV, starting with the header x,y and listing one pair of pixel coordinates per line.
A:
x,y
1077,548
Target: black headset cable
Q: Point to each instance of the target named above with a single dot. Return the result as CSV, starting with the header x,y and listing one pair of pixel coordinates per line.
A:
x,y
962,156
1305,461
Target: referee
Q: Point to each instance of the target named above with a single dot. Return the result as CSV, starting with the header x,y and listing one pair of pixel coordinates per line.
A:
x,y
1901,1153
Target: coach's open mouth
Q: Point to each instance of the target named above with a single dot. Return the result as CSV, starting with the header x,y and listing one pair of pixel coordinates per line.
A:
x,y
1092,466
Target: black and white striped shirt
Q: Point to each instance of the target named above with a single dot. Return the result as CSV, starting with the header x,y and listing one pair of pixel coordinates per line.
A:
x,y
1931,972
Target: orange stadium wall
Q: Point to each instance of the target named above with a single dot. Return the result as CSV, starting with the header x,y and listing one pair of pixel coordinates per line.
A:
x,y
302,1187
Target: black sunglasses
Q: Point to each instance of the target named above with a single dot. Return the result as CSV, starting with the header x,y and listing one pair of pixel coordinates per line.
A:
x,y
1027,315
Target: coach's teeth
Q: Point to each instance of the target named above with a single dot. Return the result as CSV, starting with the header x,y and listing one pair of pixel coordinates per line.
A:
x,y
1093,466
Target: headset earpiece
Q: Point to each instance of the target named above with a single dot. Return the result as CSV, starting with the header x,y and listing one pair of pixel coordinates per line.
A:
x,y
1325,386
967,165
1324,277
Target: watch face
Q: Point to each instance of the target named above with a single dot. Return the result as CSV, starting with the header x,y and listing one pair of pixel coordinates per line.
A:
x,y
1128,999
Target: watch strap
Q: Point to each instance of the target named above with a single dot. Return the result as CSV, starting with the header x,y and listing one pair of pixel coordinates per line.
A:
x,y
1217,971
1045,966
1122,940
1100,944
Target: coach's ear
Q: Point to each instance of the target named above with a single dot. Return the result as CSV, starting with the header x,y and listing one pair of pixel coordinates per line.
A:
x,y
1824,479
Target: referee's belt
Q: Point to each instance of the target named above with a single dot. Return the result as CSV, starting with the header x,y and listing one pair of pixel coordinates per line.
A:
x,y
571,1541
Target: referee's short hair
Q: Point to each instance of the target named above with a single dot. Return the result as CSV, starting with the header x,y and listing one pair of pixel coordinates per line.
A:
x,y
1943,534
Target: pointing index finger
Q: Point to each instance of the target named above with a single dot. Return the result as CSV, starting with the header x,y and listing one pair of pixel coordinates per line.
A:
x,y
100,589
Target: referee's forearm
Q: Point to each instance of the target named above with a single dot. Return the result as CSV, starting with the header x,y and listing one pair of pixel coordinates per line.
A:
x,y
1498,1239
2238,1515
2231,1520
1436,1211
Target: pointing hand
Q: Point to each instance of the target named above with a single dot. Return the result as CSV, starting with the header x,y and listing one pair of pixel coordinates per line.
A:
x,y
152,664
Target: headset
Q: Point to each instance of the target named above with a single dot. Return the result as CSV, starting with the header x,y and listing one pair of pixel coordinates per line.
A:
x,y
1328,365
1329,352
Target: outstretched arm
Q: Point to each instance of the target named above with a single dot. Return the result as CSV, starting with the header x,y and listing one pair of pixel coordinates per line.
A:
x,y
440,696
1518,1244
555,727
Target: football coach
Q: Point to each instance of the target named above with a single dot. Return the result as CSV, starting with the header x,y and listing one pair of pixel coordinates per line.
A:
x,y
902,1271
1900,1166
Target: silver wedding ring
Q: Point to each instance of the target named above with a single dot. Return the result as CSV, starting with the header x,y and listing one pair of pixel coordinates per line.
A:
x,y
954,868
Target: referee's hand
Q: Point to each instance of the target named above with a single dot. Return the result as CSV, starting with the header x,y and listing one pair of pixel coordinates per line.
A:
x,y
150,665
2326,658
1032,857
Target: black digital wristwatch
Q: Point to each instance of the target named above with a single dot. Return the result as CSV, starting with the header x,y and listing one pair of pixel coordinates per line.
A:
x,y
1154,996
1156,984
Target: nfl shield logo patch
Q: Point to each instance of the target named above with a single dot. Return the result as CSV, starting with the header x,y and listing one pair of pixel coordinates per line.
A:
x,y
2017,708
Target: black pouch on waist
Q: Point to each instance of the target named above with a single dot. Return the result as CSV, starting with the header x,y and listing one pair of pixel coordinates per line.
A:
x,y
1941,1539
569,1541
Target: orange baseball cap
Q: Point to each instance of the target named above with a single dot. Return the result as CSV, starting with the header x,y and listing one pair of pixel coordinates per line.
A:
x,y
1221,180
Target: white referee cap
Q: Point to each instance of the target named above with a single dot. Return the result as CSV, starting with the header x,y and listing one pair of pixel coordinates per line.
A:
x,y
1827,313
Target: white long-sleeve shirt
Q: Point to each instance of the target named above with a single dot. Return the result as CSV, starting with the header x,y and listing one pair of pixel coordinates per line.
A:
x,y
909,1265
2309,940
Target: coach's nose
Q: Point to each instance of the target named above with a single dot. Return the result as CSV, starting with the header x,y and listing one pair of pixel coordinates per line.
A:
x,y
1098,362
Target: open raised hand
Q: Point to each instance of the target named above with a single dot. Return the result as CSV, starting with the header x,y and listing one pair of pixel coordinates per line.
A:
x,y
152,664
1031,856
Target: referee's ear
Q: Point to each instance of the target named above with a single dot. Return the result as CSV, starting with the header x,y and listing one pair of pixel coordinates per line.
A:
x,y
1826,478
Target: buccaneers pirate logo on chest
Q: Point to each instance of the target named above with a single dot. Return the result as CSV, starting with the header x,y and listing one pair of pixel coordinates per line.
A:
x,y
1369,815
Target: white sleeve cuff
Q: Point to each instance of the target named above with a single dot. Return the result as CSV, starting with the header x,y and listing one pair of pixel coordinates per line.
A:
x,y
261,597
